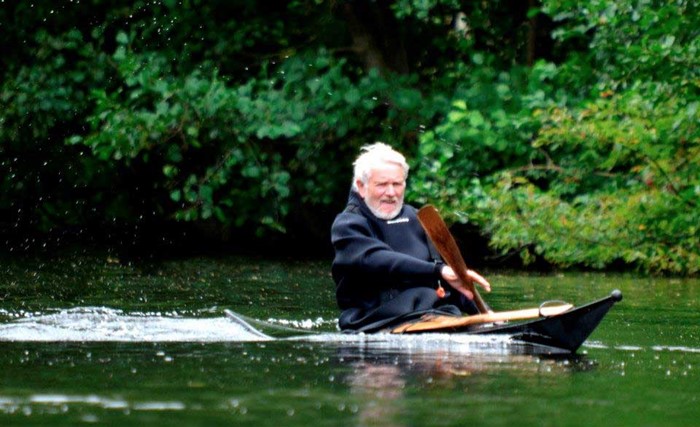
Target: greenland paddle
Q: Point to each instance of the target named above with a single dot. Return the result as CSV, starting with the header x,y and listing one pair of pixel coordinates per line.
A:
x,y
445,244
438,322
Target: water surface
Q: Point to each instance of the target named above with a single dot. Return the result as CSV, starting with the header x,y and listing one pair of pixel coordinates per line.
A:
x,y
89,340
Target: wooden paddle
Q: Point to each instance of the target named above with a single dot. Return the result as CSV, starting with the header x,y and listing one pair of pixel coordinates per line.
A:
x,y
441,237
437,322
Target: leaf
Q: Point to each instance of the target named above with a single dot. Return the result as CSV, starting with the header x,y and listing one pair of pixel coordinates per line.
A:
x,y
122,38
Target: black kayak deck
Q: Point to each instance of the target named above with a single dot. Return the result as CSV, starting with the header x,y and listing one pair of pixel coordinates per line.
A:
x,y
564,332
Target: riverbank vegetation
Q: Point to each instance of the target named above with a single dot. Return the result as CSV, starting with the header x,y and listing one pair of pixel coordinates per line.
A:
x,y
561,132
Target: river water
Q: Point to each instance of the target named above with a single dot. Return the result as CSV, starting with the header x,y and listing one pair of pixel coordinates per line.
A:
x,y
89,340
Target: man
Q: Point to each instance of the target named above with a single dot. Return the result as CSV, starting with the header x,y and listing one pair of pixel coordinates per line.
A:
x,y
385,268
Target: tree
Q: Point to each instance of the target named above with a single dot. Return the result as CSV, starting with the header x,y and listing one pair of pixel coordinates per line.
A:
x,y
562,131
607,140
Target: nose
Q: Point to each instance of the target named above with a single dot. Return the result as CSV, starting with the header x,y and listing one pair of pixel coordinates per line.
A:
x,y
390,190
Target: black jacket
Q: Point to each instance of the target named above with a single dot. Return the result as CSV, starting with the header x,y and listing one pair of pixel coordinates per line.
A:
x,y
375,257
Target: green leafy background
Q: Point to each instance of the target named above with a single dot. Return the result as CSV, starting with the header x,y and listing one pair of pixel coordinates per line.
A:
x,y
557,131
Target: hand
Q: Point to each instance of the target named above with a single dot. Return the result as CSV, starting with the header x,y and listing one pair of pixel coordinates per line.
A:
x,y
451,277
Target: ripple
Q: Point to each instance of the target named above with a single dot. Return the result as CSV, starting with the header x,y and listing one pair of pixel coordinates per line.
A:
x,y
681,349
36,401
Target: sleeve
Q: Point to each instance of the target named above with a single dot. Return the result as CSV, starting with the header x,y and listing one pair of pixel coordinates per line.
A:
x,y
359,252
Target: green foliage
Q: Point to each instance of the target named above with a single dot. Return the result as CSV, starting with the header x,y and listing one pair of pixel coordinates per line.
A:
x,y
621,183
602,173
41,181
489,128
566,132
229,151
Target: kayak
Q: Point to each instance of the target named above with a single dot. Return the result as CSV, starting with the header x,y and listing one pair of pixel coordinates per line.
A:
x,y
560,329
561,332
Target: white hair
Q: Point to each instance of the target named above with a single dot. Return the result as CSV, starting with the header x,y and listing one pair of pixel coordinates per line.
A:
x,y
374,156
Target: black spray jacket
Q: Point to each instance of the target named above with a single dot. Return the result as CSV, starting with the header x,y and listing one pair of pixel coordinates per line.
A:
x,y
375,258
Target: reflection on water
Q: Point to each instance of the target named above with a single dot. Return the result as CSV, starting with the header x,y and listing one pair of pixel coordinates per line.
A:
x,y
381,388
163,353
386,372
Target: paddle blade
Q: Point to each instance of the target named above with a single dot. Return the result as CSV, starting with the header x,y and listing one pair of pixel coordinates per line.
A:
x,y
440,235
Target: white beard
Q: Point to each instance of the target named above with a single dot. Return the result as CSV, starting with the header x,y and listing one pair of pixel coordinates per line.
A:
x,y
386,215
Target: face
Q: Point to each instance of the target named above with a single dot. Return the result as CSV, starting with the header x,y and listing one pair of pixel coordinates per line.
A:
x,y
384,190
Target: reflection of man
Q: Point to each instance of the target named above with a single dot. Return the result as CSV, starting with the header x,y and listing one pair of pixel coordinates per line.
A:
x,y
381,387
384,268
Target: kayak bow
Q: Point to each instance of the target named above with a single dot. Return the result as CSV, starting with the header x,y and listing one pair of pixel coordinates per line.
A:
x,y
563,332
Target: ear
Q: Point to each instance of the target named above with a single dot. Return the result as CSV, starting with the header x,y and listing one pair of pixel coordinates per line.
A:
x,y
361,188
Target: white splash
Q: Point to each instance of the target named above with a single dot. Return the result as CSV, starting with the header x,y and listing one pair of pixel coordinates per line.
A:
x,y
107,324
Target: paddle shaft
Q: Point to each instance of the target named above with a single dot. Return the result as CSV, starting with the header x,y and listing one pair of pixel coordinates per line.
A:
x,y
433,323
445,244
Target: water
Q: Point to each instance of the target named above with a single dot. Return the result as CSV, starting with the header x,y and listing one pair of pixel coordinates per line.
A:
x,y
86,340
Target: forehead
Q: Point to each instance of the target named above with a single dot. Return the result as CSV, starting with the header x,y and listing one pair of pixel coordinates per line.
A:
x,y
387,172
